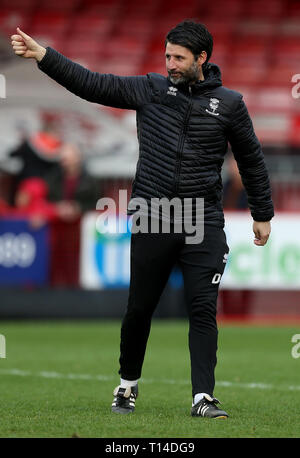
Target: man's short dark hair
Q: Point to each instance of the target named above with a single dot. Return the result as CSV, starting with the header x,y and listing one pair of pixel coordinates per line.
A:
x,y
193,36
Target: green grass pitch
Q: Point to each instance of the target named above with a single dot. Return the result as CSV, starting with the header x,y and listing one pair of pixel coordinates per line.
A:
x,y
58,377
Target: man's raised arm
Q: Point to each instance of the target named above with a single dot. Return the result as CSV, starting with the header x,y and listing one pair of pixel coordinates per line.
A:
x,y
130,92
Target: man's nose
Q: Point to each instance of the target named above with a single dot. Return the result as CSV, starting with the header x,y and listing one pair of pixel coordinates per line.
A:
x,y
172,64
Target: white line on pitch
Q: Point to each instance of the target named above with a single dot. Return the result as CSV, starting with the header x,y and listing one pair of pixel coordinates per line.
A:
x,y
106,378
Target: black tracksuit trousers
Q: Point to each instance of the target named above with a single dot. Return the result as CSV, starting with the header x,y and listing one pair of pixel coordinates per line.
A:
x,y
152,258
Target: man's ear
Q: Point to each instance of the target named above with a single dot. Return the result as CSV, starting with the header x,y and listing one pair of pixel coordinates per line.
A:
x,y
202,58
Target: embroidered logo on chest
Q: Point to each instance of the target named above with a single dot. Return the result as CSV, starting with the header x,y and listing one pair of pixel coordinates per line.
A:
x,y
214,104
172,90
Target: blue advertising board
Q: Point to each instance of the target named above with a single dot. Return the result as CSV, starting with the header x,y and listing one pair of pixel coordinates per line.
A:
x,y
24,253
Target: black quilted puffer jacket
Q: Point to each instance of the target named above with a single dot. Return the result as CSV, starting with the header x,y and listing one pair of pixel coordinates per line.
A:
x,y
183,133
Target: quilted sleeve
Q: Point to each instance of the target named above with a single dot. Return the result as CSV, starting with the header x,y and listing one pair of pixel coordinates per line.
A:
x,y
251,163
129,92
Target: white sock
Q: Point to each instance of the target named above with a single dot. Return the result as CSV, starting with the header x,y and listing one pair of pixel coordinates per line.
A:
x,y
198,397
125,383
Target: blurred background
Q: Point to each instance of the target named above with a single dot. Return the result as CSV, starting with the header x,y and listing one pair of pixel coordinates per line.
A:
x,y
59,155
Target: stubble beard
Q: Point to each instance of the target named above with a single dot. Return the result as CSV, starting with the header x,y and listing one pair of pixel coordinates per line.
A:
x,y
191,75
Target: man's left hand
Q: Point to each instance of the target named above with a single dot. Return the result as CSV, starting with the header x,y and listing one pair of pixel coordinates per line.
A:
x,y
262,230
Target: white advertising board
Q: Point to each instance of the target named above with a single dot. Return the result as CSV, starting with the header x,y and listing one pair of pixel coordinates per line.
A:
x,y
105,258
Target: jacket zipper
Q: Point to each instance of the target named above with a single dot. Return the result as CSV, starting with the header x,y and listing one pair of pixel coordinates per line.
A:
x,y
181,143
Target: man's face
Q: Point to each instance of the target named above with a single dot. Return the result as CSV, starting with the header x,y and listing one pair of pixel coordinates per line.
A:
x,y
181,64
69,158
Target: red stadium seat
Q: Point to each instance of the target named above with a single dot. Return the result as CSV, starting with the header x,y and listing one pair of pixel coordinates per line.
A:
x,y
256,45
48,23
10,19
137,9
83,48
57,42
243,75
293,9
92,24
280,75
61,5
220,56
269,9
286,50
22,5
265,28
221,29
138,27
128,68
154,67
100,4
218,9
250,50
183,9
124,45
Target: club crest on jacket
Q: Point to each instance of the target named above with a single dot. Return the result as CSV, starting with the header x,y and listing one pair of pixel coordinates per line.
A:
x,y
214,104
172,90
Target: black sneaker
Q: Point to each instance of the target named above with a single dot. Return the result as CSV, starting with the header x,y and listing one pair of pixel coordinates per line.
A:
x,y
206,407
124,400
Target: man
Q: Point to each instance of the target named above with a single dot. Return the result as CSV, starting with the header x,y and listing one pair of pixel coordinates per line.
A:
x,y
71,185
74,192
38,152
184,124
